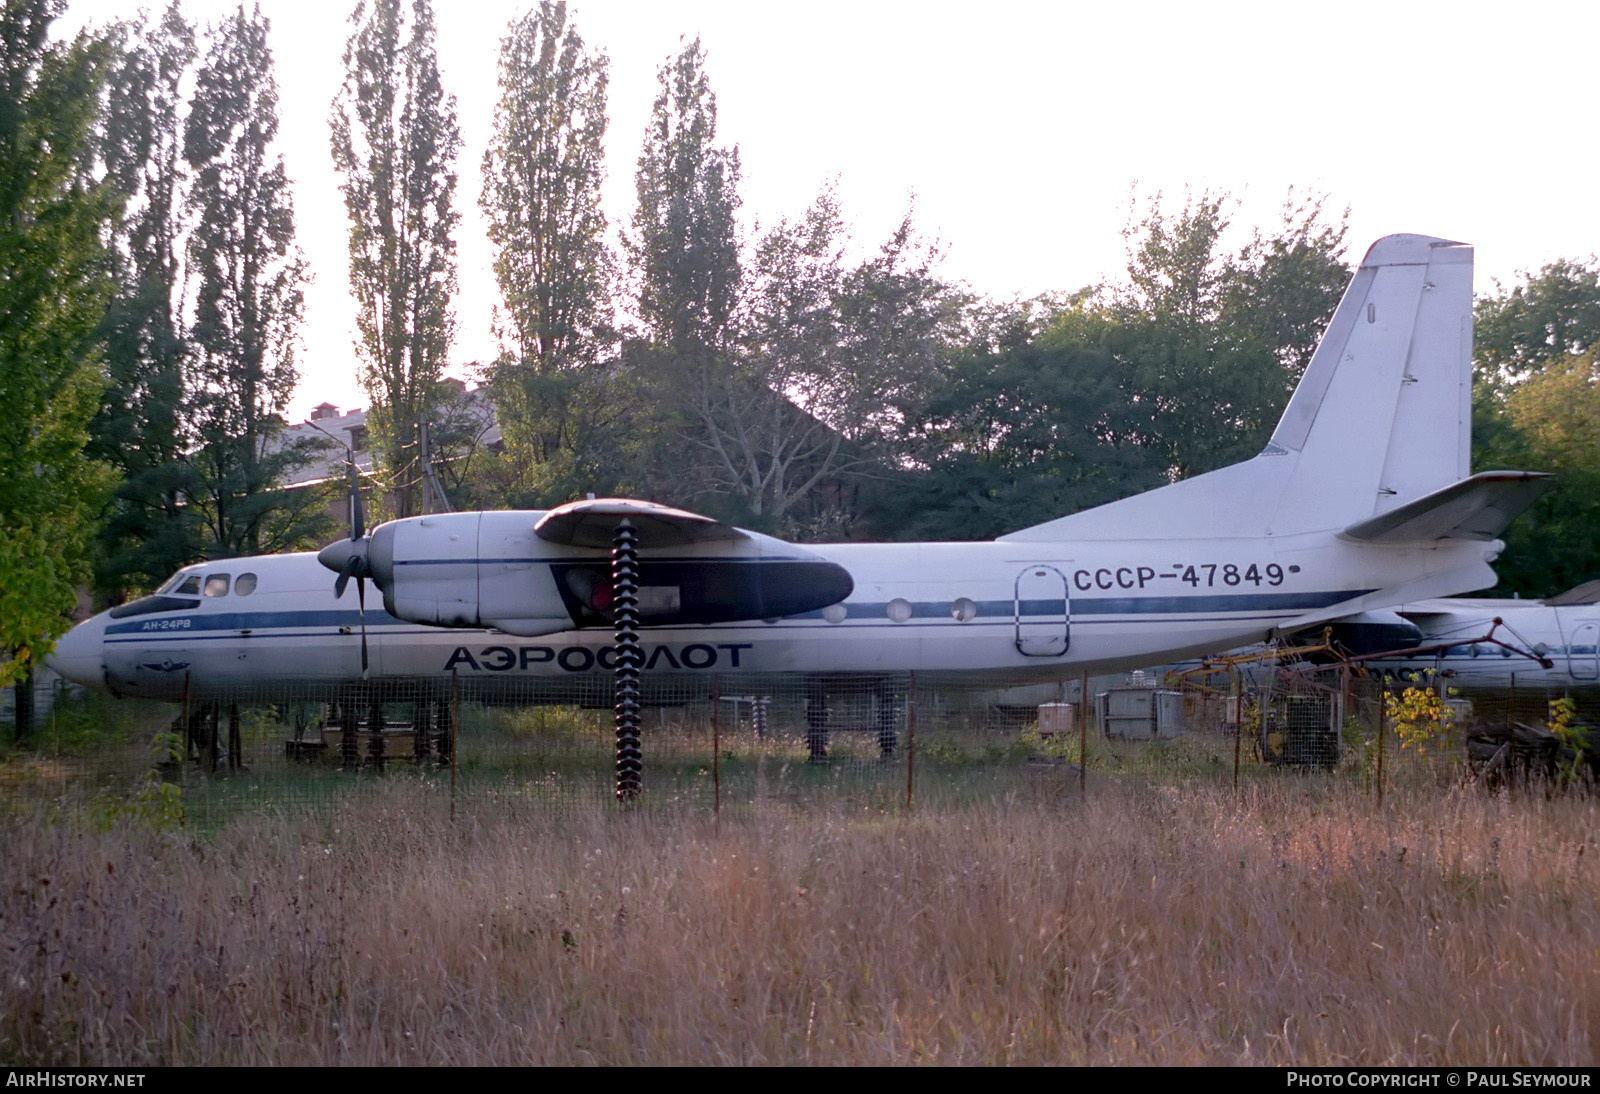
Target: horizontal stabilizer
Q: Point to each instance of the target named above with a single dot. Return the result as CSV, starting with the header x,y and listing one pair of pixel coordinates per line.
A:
x,y
1587,593
593,523
1479,507
1450,581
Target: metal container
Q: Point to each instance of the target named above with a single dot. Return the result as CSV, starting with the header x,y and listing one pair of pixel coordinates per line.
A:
x,y
1140,714
1056,718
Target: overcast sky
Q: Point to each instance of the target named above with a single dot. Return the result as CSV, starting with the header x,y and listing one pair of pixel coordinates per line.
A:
x,y
1022,129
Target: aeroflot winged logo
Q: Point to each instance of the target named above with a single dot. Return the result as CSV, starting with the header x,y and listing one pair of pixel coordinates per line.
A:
x,y
694,655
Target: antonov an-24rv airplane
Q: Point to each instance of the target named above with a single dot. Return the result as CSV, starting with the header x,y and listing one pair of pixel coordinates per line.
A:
x,y
1361,501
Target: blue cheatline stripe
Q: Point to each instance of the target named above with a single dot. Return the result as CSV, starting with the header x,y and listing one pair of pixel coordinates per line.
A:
x,y
605,559
859,614
263,620
1247,602
480,634
264,635
1118,605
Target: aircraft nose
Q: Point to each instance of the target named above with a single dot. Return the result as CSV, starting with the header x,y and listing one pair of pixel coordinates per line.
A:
x,y
79,655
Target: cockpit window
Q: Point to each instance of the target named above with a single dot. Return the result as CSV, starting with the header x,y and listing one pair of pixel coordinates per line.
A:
x,y
244,585
189,587
149,605
217,584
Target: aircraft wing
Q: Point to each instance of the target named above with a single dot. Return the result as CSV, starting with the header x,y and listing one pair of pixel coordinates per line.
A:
x,y
1587,593
1479,507
532,573
593,523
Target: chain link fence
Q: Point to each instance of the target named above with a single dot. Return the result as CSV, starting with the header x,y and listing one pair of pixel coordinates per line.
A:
x,y
743,741
750,742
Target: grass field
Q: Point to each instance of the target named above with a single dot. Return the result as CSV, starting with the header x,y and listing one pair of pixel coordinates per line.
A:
x,y
1006,918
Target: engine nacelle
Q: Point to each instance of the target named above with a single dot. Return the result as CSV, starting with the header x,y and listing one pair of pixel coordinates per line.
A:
x,y
1366,633
491,569
469,570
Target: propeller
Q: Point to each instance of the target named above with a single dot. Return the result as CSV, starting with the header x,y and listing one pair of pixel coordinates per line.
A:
x,y
349,559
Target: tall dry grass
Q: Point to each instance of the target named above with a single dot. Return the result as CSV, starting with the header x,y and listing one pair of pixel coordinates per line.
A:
x,y
1294,923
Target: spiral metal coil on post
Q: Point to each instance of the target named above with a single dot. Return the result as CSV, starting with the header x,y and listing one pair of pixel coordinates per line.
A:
x,y
630,658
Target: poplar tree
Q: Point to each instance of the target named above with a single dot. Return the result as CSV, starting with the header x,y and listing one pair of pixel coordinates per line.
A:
x,y
395,139
249,280
542,174
684,245
683,253
52,293
541,194
149,529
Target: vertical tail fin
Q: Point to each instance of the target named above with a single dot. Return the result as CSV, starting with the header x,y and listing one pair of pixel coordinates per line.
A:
x,y
1382,416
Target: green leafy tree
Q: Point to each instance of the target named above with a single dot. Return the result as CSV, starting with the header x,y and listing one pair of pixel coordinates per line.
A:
x,y
779,378
758,439
149,529
1551,315
1198,389
899,322
1023,429
458,423
53,292
851,348
541,194
806,398
684,246
556,381
1551,422
1533,405
395,140
1281,289
683,251
1211,343
578,431
1066,403
249,283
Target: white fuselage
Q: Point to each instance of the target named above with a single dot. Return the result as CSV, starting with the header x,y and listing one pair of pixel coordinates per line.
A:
x,y
989,610
1569,637
1360,501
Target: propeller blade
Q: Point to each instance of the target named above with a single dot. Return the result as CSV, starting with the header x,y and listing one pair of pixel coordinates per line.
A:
x,y
345,573
358,519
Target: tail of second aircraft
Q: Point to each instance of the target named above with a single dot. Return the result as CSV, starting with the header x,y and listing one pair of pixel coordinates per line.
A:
x,y
1380,421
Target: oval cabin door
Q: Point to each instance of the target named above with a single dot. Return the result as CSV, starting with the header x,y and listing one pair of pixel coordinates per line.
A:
x,y
1042,612
1583,652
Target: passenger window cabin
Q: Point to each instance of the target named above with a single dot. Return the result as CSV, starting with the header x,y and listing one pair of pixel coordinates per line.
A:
x,y
188,583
